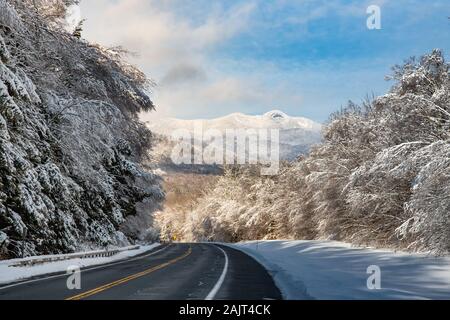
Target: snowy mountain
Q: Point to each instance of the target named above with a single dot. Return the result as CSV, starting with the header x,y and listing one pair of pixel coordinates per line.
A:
x,y
297,134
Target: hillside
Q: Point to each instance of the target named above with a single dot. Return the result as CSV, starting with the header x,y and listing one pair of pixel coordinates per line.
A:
x,y
70,141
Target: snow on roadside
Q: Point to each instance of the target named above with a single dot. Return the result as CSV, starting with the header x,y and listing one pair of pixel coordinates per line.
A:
x,y
335,270
10,274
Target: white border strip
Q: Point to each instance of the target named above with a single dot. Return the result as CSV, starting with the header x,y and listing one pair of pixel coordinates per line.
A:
x,y
219,283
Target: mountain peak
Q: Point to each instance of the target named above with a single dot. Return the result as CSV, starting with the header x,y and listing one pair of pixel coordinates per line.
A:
x,y
276,115
297,134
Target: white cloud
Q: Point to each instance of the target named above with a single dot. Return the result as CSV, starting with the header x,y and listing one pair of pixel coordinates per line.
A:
x,y
159,35
173,48
179,42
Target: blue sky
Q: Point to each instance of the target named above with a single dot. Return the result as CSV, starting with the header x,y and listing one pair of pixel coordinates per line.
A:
x,y
305,57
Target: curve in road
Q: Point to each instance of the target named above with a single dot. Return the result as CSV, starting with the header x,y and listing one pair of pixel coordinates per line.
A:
x,y
174,272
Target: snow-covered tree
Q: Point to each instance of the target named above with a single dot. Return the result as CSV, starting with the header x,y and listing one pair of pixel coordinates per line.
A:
x,y
380,177
70,140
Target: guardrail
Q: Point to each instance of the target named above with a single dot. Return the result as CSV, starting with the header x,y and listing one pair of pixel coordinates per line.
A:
x,y
83,255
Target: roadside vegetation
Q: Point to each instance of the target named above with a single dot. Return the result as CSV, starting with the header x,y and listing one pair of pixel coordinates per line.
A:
x,y
381,177
71,144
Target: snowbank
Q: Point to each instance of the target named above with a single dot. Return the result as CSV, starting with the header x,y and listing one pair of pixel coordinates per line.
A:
x,y
10,274
335,270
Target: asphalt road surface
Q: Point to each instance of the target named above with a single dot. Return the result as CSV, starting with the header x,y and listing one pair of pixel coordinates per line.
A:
x,y
169,272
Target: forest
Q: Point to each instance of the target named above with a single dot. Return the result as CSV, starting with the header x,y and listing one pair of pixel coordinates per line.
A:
x,y
77,171
71,143
380,177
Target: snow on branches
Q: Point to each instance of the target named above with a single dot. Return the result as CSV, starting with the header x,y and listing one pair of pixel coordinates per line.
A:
x,y
70,141
381,176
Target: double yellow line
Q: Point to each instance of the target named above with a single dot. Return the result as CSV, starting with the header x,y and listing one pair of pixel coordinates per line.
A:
x,y
129,278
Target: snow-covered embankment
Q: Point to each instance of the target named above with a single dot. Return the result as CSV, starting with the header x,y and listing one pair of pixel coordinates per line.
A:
x,y
335,270
9,273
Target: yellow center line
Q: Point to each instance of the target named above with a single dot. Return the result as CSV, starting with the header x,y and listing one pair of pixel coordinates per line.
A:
x,y
129,278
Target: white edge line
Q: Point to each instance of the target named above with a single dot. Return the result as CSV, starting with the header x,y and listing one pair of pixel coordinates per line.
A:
x,y
82,270
219,283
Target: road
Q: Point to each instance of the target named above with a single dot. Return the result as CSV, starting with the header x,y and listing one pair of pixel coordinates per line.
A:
x,y
171,272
